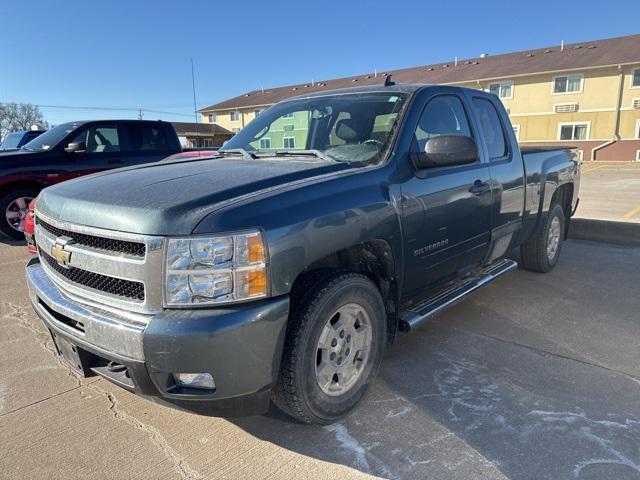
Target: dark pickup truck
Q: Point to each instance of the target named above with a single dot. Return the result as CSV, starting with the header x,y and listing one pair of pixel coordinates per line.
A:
x,y
280,268
73,149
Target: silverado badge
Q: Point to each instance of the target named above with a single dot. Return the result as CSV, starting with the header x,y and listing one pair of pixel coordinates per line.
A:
x,y
62,256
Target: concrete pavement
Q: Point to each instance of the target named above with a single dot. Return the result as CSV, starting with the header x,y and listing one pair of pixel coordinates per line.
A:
x,y
534,377
610,191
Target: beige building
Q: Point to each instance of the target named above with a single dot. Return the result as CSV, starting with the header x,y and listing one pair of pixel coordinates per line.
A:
x,y
585,95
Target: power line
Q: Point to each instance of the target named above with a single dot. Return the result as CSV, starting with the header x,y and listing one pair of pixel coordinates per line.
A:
x,y
117,109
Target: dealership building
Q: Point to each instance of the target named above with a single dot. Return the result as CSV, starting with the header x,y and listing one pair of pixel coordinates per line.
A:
x,y
585,95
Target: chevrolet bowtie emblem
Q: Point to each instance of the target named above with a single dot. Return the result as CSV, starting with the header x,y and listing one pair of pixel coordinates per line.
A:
x,y
58,252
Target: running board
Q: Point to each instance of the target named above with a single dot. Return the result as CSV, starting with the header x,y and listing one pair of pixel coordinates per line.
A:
x,y
422,311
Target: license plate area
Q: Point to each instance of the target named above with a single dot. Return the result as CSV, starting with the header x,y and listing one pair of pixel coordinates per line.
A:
x,y
71,355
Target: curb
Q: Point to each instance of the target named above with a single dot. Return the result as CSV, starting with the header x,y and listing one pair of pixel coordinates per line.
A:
x,y
618,233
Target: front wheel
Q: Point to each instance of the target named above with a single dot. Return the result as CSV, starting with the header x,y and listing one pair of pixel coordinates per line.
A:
x,y
333,349
541,252
14,207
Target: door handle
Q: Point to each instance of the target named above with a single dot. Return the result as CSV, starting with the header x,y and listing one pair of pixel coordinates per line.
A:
x,y
479,188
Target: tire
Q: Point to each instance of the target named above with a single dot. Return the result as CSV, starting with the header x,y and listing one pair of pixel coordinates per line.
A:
x,y
339,298
537,253
10,206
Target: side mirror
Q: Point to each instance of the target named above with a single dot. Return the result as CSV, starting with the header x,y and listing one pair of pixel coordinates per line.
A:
x,y
75,147
446,150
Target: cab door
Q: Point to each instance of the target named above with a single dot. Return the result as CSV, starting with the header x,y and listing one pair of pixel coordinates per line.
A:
x,y
446,211
101,149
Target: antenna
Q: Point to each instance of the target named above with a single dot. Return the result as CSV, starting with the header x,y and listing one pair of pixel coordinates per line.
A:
x,y
193,86
387,80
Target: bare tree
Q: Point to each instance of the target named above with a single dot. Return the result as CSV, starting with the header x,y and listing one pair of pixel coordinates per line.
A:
x,y
14,116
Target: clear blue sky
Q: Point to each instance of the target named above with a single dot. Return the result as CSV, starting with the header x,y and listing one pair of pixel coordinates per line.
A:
x,y
133,53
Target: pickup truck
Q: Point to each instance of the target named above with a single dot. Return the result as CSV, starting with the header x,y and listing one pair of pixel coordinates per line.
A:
x,y
15,140
280,268
73,149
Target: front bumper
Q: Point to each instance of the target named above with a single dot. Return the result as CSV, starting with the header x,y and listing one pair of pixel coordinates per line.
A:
x,y
240,346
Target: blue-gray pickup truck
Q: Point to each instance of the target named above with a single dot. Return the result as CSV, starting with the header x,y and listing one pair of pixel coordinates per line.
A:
x,y
281,267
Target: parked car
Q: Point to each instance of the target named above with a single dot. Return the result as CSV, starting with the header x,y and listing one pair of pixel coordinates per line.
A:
x,y
73,149
215,285
15,140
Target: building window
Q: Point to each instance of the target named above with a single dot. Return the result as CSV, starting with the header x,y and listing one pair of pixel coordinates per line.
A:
x,y
573,131
516,131
212,118
635,78
288,142
258,111
504,90
265,143
637,155
568,84
235,116
638,129
287,115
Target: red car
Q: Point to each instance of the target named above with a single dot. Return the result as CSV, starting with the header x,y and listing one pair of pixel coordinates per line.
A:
x,y
30,227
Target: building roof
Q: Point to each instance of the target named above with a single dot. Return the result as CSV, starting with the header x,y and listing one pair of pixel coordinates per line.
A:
x,y
191,128
576,56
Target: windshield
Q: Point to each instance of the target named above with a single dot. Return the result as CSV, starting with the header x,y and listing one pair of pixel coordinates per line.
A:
x,y
12,140
50,138
347,128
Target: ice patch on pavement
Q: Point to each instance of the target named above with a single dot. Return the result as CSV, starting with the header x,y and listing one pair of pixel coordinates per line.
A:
x,y
578,424
3,391
350,443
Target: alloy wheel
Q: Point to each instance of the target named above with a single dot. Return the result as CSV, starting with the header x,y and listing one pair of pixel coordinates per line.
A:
x,y
343,349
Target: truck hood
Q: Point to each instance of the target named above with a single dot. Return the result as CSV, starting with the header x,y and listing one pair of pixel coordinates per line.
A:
x,y
170,198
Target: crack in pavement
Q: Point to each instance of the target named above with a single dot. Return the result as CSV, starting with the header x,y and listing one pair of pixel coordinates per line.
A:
x,y
180,464
21,315
542,351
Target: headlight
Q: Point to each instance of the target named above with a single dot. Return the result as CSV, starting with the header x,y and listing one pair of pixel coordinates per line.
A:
x,y
214,270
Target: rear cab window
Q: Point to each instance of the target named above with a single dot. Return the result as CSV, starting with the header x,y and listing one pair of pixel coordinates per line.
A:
x,y
146,137
492,129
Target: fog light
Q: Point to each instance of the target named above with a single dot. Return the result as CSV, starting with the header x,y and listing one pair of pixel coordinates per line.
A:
x,y
195,380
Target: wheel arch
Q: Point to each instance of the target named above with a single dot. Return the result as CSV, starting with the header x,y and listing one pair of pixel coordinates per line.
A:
x,y
373,259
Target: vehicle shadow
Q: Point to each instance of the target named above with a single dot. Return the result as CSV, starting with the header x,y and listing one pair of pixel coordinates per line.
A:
x,y
12,242
487,390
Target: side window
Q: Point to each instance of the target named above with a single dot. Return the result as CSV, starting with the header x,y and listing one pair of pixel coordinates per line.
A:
x,y
443,115
99,139
491,128
146,137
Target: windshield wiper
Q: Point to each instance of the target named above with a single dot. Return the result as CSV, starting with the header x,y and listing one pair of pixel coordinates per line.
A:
x,y
303,153
238,151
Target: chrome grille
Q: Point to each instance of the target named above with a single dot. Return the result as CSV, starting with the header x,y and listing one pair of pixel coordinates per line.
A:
x,y
103,283
109,244
104,267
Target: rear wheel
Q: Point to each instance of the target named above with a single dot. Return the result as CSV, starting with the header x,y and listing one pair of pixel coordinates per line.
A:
x,y
14,207
541,252
333,349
